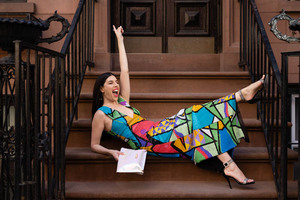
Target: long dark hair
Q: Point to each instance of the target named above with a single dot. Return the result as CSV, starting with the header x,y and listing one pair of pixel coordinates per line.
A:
x,y
97,94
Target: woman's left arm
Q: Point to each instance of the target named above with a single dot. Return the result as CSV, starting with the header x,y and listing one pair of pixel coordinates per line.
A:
x,y
124,76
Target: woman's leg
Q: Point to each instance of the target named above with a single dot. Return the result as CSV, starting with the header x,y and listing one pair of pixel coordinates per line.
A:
x,y
250,91
233,170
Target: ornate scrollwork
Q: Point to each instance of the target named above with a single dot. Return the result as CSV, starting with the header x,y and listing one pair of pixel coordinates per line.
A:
x,y
7,74
294,25
62,33
44,145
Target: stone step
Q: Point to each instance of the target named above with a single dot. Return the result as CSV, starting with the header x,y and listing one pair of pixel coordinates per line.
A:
x,y
171,190
166,62
84,165
161,105
80,135
178,82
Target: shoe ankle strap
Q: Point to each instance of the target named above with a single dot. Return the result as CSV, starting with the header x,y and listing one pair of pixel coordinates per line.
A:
x,y
241,96
226,164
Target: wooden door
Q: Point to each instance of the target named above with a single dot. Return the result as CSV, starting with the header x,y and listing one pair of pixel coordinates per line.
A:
x,y
168,26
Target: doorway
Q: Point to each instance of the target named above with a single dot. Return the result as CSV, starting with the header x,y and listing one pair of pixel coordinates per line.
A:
x,y
169,26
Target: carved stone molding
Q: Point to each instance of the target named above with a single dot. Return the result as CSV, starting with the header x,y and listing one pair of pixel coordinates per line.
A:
x,y
17,7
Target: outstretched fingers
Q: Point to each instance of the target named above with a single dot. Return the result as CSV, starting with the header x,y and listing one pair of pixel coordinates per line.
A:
x,y
118,31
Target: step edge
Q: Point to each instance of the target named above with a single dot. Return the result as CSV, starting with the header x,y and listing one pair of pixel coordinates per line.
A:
x,y
177,74
191,189
165,96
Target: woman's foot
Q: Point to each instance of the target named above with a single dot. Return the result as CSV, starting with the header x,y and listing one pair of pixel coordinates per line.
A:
x,y
248,93
232,170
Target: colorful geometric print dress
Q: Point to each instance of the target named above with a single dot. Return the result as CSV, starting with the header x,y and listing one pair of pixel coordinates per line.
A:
x,y
198,132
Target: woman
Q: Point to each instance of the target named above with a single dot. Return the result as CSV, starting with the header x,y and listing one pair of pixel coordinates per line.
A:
x,y
199,132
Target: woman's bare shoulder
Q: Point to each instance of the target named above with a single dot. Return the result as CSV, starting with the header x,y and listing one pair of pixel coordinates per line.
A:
x,y
101,120
99,115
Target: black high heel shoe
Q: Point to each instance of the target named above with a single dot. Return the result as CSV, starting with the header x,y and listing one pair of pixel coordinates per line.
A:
x,y
245,182
255,99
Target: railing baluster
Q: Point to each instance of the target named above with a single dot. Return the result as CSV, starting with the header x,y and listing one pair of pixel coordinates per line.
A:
x,y
27,166
257,52
267,96
92,32
249,35
50,132
37,124
68,85
272,115
283,151
81,43
264,69
298,165
43,131
276,156
253,52
18,113
76,63
89,35
62,127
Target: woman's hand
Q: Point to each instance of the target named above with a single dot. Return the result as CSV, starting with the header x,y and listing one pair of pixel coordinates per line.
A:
x,y
119,32
116,154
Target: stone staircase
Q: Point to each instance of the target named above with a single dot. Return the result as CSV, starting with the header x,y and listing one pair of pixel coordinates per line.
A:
x,y
160,92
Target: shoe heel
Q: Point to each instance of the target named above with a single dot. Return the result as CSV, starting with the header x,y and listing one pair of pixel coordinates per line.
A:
x,y
228,180
255,98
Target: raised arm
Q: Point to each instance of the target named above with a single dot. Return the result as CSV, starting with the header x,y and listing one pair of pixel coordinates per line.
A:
x,y
124,76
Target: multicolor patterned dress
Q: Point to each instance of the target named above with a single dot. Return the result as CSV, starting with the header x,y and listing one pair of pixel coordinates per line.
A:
x,y
198,132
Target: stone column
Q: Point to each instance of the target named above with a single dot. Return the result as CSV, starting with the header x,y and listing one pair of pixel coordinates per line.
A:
x,y
102,36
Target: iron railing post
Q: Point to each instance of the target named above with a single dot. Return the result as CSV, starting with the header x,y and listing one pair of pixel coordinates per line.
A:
x,y
63,127
18,112
37,128
298,111
243,35
284,131
57,122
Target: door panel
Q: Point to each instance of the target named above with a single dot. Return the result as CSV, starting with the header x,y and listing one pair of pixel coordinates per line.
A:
x,y
138,17
191,45
143,44
188,18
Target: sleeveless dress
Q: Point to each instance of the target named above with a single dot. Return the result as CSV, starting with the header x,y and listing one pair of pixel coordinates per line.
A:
x,y
198,132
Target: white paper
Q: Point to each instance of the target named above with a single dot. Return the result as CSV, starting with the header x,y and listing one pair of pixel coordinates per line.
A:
x,y
133,161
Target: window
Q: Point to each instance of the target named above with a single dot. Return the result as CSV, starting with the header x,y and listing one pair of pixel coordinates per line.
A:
x,y
295,121
9,117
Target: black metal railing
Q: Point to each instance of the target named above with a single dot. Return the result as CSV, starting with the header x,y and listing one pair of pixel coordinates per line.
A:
x,y
39,122
41,88
7,130
79,51
257,55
